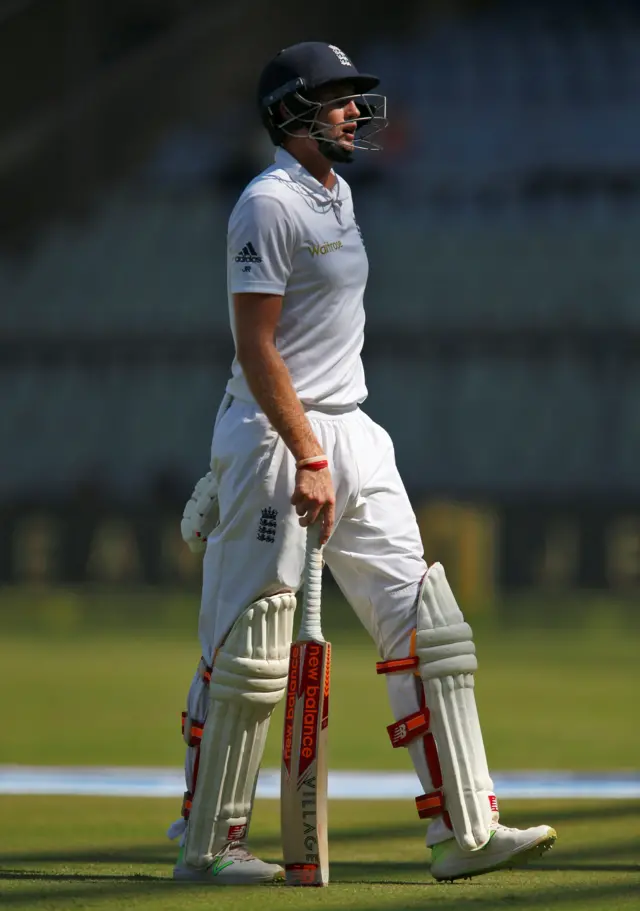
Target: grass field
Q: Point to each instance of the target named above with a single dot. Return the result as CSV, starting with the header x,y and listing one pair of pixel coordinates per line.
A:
x,y
60,853
87,693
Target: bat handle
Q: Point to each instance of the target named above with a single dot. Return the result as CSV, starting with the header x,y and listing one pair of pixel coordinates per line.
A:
x,y
310,624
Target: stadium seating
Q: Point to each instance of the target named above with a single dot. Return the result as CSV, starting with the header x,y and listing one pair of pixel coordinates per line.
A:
x,y
514,202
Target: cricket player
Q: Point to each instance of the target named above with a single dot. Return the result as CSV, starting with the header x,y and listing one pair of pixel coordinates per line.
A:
x,y
292,446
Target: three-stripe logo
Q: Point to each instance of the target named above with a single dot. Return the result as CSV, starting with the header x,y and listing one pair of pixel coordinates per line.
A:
x,y
248,254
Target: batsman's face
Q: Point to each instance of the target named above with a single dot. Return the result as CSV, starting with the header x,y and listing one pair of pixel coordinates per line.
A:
x,y
339,112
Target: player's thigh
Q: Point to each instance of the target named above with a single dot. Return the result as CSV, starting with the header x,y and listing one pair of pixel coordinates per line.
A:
x,y
258,547
376,557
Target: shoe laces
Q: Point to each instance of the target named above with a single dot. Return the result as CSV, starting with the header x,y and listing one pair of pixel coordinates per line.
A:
x,y
238,850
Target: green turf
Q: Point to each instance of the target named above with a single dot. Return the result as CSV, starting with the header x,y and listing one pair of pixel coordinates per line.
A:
x,y
79,690
72,853
548,699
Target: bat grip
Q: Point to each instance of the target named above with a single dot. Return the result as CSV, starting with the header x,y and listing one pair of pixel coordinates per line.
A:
x,y
310,625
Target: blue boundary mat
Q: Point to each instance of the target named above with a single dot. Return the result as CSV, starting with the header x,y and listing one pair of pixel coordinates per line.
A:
x,y
166,782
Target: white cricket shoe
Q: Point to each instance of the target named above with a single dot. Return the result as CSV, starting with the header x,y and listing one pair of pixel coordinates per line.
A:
x,y
505,848
233,866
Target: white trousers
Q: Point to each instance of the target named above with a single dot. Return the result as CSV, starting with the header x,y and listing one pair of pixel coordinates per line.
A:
x,y
374,553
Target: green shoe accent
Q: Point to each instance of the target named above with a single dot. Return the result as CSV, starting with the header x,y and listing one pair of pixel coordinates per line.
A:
x,y
219,864
491,834
438,850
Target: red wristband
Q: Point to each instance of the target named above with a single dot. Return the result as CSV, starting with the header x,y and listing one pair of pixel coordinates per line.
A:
x,y
315,463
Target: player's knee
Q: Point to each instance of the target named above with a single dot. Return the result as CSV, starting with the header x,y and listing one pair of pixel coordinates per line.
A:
x,y
434,643
252,663
444,641
433,635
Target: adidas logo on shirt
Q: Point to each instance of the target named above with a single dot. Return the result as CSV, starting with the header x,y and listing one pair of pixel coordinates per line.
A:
x,y
248,254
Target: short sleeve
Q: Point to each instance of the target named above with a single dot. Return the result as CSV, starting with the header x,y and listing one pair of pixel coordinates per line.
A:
x,y
259,246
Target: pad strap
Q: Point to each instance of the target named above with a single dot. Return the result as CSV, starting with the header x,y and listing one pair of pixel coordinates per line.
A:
x,y
402,665
430,805
192,730
397,665
205,671
408,728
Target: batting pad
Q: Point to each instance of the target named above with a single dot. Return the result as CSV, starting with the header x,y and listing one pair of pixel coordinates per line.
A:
x,y
248,678
447,661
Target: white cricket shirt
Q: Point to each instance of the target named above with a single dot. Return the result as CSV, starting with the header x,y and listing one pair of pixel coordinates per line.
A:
x,y
291,236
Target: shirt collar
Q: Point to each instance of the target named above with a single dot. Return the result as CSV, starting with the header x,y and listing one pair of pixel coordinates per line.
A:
x,y
292,166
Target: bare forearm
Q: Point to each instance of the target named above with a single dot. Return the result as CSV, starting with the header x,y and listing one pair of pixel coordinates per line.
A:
x,y
270,384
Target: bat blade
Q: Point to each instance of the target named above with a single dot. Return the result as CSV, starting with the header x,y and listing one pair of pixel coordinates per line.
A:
x,y
304,775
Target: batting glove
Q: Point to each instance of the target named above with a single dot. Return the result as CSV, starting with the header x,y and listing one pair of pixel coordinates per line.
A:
x,y
201,514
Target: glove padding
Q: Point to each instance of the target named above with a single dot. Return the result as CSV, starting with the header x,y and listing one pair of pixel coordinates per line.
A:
x,y
201,514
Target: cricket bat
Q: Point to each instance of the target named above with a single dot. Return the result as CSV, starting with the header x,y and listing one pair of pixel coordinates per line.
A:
x,y
304,773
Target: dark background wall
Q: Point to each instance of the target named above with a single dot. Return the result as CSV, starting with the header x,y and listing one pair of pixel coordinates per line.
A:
x,y
502,223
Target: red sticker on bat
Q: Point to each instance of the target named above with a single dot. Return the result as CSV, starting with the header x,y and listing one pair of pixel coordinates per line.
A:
x,y
290,706
312,693
327,685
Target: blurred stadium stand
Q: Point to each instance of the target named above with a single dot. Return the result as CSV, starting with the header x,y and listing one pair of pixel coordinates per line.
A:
x,y
502,224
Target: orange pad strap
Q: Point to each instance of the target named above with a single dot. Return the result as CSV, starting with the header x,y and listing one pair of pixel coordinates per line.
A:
x,y
408,728
187,800
205,671
429,805
397,665
195,732
401,665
